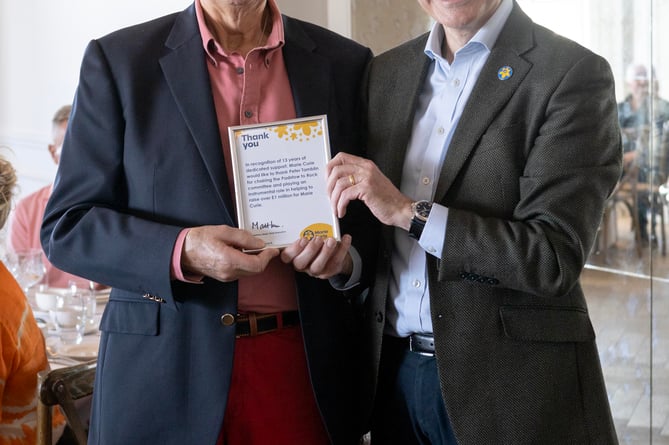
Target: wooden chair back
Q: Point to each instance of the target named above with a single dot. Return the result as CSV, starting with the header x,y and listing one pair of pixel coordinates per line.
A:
x,y
63,387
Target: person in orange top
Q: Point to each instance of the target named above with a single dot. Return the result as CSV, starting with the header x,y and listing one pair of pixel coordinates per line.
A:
x,y
22,350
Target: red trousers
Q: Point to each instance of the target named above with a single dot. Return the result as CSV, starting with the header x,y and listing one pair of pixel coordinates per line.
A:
x,y
270,399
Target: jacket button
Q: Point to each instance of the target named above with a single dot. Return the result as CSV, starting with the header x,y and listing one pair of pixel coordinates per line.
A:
x,y
464,275
493,281
379,317
227,320
473,277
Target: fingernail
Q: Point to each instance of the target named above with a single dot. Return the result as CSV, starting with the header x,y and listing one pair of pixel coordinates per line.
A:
x,y
330,243
303,242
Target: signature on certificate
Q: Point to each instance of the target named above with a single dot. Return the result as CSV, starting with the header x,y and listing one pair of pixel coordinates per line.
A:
x,y
257,225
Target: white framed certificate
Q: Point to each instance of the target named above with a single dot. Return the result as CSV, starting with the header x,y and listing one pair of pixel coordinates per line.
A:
x,y
280,184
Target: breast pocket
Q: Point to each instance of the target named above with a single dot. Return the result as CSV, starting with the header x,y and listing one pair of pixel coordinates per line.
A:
x,y
508,139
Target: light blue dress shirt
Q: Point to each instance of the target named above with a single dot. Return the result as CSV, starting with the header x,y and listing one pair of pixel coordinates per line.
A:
x,y
444,96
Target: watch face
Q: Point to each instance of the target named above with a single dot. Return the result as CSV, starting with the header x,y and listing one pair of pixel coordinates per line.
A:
x,y
422,209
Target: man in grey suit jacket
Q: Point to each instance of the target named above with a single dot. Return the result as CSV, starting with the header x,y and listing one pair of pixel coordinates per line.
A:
x,y
492,147
143,169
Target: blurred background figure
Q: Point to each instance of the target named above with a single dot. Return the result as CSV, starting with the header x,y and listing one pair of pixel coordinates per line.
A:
x,y
22,350
643,116
25,221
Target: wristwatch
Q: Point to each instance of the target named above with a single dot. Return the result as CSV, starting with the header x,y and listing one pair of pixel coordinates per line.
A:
x,y
421,210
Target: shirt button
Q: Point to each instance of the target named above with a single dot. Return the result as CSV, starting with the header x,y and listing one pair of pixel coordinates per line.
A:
x,y
248,114
240,70
456,82
426,180
431,249
416,283
440,130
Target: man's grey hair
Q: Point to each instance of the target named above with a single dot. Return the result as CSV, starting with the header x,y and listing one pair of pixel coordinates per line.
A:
x,y
62,115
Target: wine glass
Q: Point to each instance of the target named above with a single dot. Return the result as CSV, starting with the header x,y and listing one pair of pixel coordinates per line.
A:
x,y
29,269
70,315
88,300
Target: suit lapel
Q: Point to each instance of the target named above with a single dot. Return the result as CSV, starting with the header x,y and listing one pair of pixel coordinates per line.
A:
x,y
489,96
408,83
185,70
308,72
405,84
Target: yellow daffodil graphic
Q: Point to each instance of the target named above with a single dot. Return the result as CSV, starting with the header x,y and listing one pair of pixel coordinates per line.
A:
x,y
299,131
505,72
305,127
282,131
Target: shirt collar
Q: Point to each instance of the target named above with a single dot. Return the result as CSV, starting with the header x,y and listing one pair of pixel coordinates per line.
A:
x,y
274,40
486,36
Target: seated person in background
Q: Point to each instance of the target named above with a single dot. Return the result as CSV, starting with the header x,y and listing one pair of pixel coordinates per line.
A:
x,y
25,222
22,351
642,117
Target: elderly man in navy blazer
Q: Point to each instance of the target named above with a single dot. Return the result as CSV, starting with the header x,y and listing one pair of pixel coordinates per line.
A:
x,y
494,145
202,343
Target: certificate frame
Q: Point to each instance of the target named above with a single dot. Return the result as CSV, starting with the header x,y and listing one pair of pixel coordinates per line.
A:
x,y
279,178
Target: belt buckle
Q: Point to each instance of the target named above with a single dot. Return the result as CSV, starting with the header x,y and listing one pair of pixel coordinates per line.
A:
x,y
252,319
423,353
264,323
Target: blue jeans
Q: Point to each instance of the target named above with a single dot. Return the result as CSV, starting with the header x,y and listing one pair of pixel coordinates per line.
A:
x,y
409,408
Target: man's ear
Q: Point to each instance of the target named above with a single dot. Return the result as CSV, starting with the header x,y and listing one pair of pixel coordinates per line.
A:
x,y
52,152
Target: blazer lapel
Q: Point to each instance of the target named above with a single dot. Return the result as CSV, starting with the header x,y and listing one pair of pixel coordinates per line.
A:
x,y
185,70
409,81
489,95
308,72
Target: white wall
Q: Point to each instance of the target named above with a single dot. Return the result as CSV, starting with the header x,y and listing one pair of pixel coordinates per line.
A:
x,y
41,45
314,11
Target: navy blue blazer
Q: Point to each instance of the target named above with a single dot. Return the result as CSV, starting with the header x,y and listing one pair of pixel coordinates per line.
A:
x,y
142,160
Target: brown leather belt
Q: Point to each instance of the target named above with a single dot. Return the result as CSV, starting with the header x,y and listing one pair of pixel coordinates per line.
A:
x,y
252,324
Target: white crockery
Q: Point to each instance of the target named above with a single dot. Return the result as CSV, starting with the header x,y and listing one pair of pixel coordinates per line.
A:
x,y
68,317
46,301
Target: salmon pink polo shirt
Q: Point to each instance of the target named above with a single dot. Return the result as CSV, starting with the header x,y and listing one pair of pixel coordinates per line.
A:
x,y
246,91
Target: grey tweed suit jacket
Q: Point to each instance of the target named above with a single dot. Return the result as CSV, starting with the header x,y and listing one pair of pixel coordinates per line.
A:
x,y
526,176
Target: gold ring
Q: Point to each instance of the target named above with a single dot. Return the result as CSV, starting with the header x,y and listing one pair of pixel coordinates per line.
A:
x,y
351,179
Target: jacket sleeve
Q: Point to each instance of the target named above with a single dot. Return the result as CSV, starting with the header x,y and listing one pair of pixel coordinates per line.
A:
x,y
89,228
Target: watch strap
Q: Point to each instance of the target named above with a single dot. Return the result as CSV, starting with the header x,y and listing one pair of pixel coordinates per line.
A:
x,y
416,228
421,211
